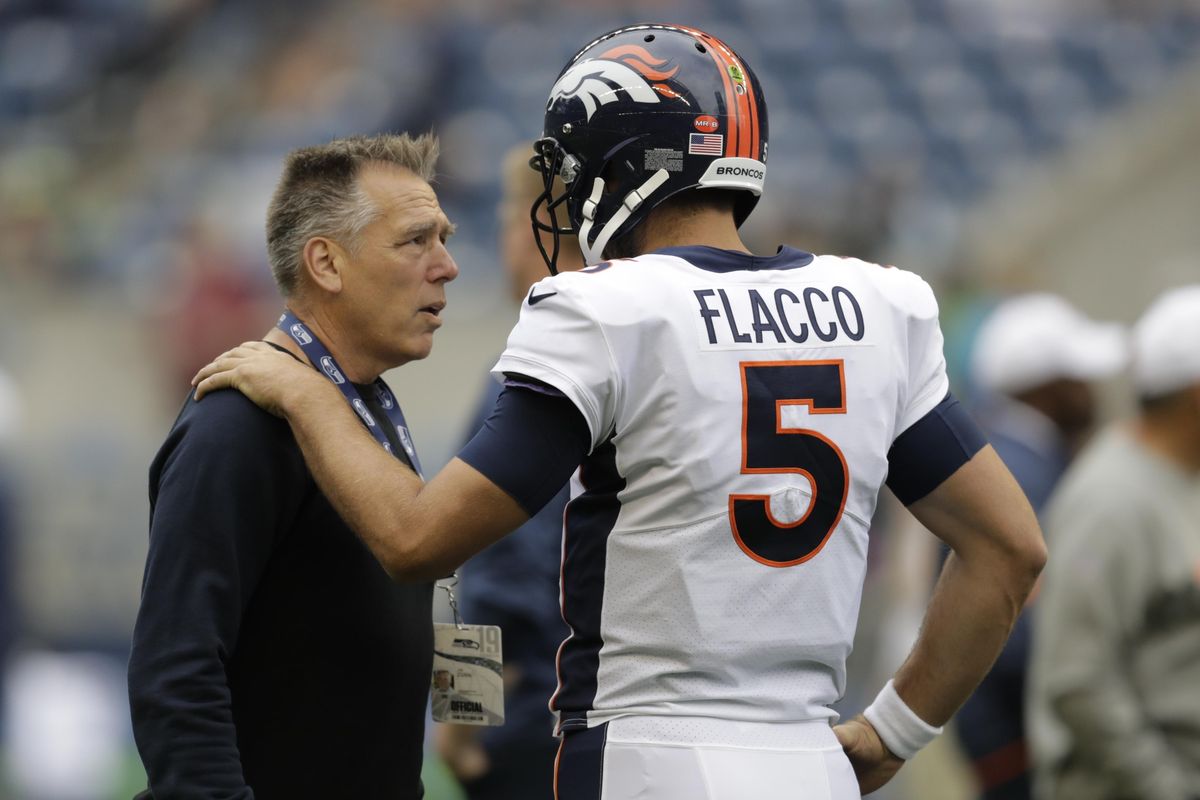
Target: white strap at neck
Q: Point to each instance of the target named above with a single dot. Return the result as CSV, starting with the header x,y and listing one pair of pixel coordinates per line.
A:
x,y
594,253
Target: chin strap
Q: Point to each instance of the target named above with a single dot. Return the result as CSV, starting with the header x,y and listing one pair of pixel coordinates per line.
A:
x,y
594,253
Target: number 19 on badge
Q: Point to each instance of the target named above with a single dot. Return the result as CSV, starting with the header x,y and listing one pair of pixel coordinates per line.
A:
x,y
468,685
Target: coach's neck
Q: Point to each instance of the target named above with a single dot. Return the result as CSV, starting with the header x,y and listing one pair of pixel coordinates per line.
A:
x,y
353,360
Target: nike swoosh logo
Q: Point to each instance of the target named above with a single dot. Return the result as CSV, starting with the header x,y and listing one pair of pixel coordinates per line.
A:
x,y
534,299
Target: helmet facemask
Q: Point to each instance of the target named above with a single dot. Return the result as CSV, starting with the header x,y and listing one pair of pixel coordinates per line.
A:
x,y
599,207
551,161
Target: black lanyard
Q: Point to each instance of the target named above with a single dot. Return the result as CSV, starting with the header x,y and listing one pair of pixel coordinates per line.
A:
x,y
321,358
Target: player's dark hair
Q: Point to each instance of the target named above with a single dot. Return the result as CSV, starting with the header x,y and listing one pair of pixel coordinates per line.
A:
x,y
319,195
693,200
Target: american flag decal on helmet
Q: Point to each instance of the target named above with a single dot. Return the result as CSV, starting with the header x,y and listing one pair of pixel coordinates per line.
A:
x,y
706,144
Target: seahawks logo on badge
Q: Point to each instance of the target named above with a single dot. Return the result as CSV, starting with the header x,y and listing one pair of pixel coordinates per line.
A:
x,y
300,334
361,408
405,439
331,370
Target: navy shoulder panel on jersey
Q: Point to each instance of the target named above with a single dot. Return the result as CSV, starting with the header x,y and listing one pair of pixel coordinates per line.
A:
x,y
543,426
714,259
932,450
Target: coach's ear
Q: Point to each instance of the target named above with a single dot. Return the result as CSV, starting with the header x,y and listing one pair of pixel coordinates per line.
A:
x,y
324,260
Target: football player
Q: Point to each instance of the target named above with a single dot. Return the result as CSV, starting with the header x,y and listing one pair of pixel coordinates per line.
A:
x,y
732,418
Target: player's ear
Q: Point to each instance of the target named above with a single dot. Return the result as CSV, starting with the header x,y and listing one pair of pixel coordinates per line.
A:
x,y
324,260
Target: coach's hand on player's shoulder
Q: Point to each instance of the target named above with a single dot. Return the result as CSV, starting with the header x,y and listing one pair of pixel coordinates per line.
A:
x,y
874,765
262,373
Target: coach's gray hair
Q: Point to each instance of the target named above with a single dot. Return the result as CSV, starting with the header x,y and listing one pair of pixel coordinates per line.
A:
x,y
319,195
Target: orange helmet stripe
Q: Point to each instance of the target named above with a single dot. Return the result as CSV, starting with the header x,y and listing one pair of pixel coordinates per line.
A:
x,y
742,139
755,132
753,145
748,138
733,109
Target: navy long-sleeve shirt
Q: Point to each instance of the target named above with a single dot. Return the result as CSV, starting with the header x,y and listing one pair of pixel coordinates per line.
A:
x,y
272,655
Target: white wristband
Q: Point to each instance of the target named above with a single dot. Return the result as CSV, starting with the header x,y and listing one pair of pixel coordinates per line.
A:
x,y
898,726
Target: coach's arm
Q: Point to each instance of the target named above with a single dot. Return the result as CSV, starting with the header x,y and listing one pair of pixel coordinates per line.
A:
x,y
443,522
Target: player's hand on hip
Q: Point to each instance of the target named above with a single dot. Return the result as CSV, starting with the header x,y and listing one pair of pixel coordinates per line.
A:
x,y
874,765
258,371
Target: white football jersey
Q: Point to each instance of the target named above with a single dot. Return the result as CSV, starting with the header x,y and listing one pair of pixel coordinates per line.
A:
x,y
741,411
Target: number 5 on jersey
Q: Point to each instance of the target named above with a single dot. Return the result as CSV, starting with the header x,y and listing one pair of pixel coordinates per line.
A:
x,y
768,447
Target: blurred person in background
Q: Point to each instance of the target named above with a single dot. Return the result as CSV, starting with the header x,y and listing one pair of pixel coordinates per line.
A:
x,y
272,655
1114,686
215,299
715,544
1036,358
514,582
10,418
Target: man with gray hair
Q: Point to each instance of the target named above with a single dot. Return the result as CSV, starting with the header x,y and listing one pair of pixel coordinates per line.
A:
x,y
273,656
1114,710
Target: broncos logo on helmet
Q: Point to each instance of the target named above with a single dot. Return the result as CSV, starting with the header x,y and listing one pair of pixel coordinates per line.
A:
x,y
641,60
628,68
593,82
649,67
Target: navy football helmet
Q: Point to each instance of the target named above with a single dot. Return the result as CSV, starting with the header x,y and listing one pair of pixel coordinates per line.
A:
x,y
636,116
